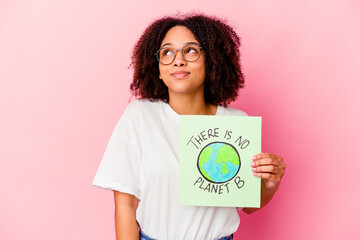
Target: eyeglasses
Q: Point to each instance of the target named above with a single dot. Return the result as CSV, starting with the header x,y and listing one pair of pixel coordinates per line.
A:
x,y
190,52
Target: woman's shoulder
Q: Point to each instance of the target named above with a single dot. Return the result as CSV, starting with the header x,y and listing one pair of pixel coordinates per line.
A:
x,y
140,107
232,111
140,103
144,104
135,113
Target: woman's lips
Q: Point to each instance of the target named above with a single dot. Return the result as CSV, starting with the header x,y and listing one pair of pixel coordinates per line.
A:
x,y
180,74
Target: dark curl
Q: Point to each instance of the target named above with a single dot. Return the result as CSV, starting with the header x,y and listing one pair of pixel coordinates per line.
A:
x,y
222,61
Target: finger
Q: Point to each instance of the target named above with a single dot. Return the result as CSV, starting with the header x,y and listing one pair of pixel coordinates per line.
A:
x,y
268,176
266,155
272,183
267,169
265,161
261,155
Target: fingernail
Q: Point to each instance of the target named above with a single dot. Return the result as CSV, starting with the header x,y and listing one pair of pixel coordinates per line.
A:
x,y
253,158
254,169
252,164
255,174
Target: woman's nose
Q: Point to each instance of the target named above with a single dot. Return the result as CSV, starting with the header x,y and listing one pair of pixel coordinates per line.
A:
x,y
179,60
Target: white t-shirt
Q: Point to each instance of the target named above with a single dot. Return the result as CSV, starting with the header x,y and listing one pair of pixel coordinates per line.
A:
x,y
142,159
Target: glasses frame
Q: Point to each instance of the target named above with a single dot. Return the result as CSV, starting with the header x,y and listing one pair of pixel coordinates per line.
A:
x,y
178,49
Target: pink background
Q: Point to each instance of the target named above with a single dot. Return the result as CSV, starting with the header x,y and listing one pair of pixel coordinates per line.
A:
x,y
64,84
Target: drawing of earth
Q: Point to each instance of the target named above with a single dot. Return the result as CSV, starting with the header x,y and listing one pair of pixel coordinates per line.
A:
x,y
218,162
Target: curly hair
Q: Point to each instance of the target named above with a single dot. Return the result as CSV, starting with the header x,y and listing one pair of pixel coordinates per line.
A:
x,y
222,62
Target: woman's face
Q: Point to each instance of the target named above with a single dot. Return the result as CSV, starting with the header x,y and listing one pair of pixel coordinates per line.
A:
x,y
182,77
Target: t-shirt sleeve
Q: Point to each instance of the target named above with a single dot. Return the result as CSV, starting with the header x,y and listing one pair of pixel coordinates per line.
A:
x,y
120,166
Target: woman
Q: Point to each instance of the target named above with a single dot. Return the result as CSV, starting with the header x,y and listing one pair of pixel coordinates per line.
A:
x,y
183,65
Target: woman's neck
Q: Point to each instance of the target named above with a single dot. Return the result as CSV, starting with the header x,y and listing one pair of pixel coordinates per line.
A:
x,y
191,105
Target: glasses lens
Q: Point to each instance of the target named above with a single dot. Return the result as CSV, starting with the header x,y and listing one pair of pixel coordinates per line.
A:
x,y
191,52
166,55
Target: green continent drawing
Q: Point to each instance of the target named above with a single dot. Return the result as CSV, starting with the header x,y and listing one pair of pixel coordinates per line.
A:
x,y
218,162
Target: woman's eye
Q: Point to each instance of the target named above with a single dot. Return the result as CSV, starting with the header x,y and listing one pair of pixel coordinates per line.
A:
x,y
166,52
191,50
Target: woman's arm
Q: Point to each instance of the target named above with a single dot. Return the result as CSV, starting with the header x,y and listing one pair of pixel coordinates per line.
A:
x,y
270,168
126,226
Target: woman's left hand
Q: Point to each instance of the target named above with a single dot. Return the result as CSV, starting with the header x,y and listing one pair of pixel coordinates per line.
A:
x,y
270,168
